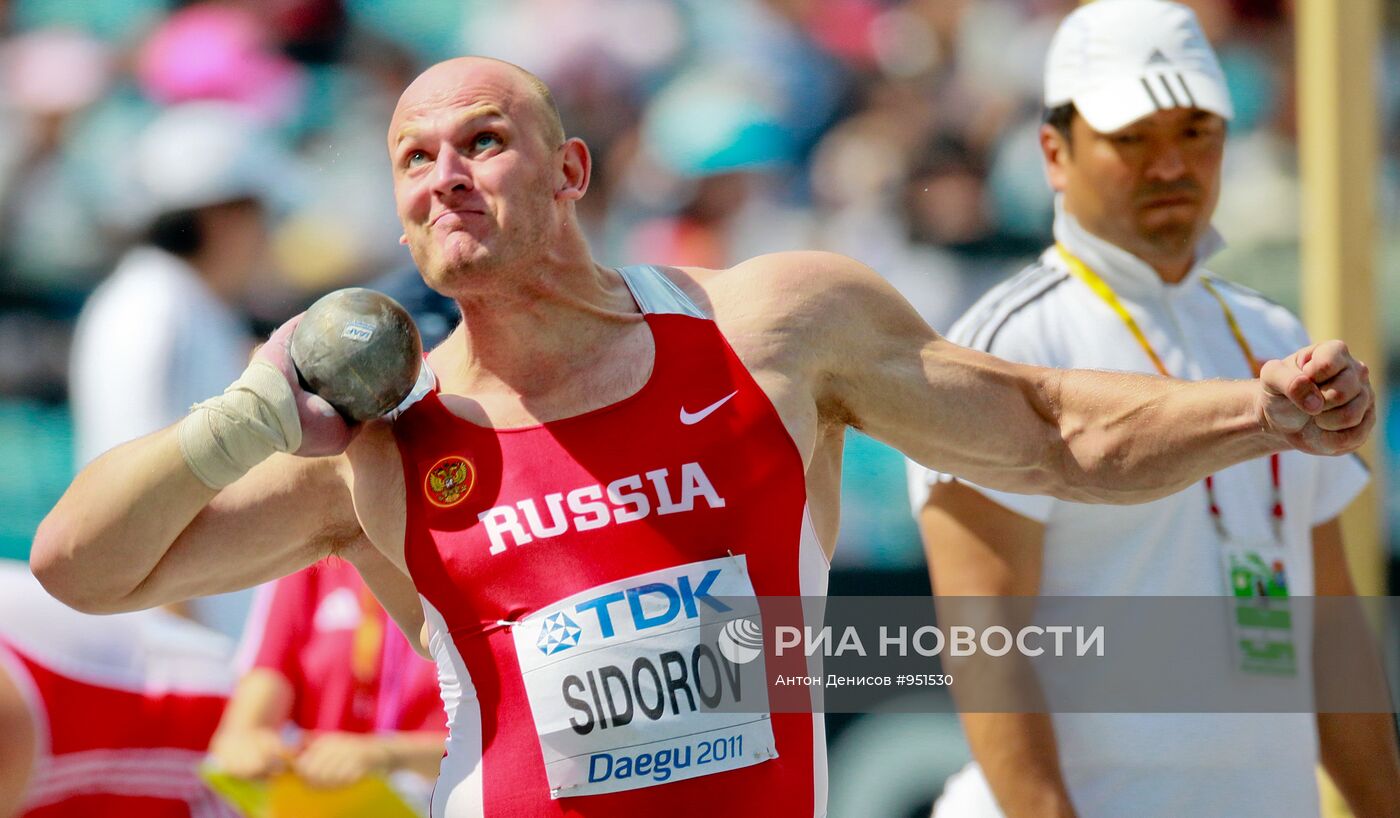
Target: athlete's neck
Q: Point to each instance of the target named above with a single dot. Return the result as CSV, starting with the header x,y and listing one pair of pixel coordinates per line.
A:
x,y
529,338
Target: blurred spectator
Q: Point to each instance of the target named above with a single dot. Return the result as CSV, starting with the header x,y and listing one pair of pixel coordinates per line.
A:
x,y
216,51
344,228
104,715
49,78
164,331
113,22
312,31
320,655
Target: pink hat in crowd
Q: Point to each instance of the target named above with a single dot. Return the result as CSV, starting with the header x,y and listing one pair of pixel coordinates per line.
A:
x,y
218,52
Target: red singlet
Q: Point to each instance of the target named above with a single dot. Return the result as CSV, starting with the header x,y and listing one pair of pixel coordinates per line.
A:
x,y
564,568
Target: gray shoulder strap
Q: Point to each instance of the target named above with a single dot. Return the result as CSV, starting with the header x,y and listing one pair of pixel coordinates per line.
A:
x,y
655,292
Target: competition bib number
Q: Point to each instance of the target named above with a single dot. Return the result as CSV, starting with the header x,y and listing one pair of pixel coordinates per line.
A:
x,y
631,686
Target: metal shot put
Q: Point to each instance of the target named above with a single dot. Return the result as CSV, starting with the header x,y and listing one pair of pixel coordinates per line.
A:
x,y
359,350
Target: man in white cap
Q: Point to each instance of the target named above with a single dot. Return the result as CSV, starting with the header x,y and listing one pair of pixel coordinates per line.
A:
x,y
1136,113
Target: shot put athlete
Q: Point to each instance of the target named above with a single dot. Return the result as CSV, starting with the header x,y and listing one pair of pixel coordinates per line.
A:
x,y
603,442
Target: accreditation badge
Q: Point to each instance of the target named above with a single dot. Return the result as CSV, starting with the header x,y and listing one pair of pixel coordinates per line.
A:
x,y
1261,619
630,685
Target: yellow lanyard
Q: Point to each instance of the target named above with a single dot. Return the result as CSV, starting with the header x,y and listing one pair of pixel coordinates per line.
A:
x,y
1081,271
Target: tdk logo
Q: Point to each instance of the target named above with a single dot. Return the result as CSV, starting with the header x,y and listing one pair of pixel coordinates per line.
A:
x,y
643,606
558,634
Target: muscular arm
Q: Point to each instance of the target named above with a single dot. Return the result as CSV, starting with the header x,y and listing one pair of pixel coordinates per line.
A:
x,y
137,529
872,363
978,548
1359,750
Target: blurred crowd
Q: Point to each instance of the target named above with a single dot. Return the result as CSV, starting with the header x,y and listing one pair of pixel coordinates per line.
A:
x,y
901,132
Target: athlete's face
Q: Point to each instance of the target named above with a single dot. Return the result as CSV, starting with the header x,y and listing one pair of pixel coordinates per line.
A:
x,y
1149,188
474,158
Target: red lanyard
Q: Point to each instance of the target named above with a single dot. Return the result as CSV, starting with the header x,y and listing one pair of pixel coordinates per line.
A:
x,y
1105,292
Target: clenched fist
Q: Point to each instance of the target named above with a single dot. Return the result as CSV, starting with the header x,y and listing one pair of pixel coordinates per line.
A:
x,y
1319,399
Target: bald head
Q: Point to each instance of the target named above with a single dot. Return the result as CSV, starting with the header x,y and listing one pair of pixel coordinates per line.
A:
x,y
484,179
518,90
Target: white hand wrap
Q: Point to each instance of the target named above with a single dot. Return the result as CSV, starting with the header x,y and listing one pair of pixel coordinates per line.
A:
x,y
225,436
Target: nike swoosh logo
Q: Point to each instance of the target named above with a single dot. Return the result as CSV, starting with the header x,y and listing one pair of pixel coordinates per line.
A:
x,y
692,418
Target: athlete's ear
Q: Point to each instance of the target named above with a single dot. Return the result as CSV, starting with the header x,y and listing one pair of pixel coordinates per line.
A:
x,y
575,170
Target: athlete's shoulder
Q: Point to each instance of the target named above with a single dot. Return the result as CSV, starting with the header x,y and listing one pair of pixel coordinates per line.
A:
x,y
788,311
817,269
768,275
810,302
796,283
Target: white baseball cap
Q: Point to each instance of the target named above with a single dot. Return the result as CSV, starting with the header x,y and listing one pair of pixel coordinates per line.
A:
x,y
206,153
1121,60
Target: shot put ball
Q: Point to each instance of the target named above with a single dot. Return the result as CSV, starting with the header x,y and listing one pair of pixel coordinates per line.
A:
x,y
359,350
